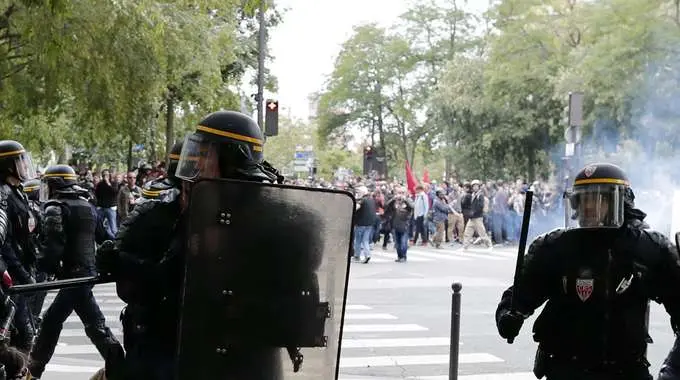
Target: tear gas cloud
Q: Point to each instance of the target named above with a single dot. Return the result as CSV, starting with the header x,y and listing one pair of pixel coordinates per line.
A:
x,y
647,148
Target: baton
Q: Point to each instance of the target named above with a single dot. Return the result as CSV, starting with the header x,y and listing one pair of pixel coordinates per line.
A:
x,y
57,284
524,234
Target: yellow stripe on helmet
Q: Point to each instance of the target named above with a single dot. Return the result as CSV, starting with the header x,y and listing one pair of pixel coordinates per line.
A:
x,y
151,193
601,181
62,175
13,153
231,135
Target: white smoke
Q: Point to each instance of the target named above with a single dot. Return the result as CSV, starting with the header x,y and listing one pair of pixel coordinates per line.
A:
x,y
647,149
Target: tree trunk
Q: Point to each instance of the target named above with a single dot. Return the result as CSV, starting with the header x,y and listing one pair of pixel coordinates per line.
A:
x,y
531,163
373,133
381,132
412,155
152,142
169,123
129,154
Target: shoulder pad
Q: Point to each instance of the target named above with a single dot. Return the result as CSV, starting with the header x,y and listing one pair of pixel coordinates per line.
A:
x,y
550,236
547,238
142,209
52,203
5,191
169,195
53,208
145,220
658,237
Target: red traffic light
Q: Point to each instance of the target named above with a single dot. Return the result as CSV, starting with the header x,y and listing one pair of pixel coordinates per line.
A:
x,y
272,105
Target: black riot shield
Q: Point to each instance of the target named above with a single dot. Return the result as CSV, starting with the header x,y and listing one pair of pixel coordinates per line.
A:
x,y
265,281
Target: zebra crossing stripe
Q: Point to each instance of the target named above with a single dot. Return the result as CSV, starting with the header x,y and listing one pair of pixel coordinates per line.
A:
x,y
357,307
374,316
70,333
393,256
63,368
458,255
486,376
383,328
395,342
404,360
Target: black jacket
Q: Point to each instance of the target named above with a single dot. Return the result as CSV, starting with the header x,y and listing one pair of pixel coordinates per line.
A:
x,y
597,285
366,214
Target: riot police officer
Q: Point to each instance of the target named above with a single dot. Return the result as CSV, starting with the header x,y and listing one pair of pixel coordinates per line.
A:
x,y
166,188
69,233
32,190
16,167
146,260
597,279
670,370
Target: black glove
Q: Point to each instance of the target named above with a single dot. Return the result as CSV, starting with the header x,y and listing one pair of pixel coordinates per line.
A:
x,y
107,258
509,324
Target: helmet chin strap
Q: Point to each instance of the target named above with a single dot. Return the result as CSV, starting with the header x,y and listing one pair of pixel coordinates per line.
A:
x,y
270,170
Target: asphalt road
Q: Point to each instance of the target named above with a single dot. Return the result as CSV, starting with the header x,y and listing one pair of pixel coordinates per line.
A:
x,y
397,321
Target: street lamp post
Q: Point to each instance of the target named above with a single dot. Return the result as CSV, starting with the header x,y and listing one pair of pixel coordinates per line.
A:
x,y
261,52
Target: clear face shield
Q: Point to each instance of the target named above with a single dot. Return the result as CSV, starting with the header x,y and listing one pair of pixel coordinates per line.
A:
x,y
44,191
597,206
23,165
199,159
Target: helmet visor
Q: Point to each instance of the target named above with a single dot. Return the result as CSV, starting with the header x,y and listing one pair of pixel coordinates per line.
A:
x,y
597,206
44,191
24,167
199,159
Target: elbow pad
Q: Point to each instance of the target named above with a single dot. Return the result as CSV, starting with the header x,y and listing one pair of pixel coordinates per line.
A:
x,y
4,226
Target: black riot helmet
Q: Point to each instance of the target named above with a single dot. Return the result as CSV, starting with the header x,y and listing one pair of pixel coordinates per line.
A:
x,y
32,189
15,161
226,144
173,159
57,178
599,196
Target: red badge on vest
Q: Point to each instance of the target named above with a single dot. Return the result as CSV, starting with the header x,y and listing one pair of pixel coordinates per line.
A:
x,y
31,224
584,288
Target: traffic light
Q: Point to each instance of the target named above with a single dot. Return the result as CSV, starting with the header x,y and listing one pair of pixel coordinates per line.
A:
x,y
368,153
271,120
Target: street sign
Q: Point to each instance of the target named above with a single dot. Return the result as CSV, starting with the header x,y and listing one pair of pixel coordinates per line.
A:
x,y
303,158
575,109
572,135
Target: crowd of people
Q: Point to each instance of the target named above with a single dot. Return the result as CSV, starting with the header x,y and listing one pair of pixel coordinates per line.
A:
x,y
458,213
116,193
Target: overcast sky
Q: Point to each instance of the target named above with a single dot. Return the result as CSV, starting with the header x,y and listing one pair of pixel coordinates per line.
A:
x,y
306,43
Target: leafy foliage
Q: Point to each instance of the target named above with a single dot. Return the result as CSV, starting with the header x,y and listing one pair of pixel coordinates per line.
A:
x,y
98,75
487,94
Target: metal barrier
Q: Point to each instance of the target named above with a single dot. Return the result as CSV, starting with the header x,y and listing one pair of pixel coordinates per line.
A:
x,y
454,345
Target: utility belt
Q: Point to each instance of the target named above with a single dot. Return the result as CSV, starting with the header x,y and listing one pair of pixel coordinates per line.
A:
x,y
546,362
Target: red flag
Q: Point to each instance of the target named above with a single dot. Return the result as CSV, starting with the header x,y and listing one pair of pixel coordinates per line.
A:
x,y
426,176
411,181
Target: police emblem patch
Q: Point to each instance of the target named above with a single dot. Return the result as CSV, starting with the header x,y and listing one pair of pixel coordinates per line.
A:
x,y
31,224
584,288
589,170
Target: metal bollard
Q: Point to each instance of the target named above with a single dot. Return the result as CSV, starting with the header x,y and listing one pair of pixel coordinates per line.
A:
x,y
454,345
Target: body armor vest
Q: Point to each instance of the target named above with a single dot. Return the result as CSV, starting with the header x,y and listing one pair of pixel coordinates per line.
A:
x,y
79,228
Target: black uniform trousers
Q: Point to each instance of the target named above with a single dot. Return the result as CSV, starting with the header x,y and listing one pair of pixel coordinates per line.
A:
x,y
37,300
82,301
